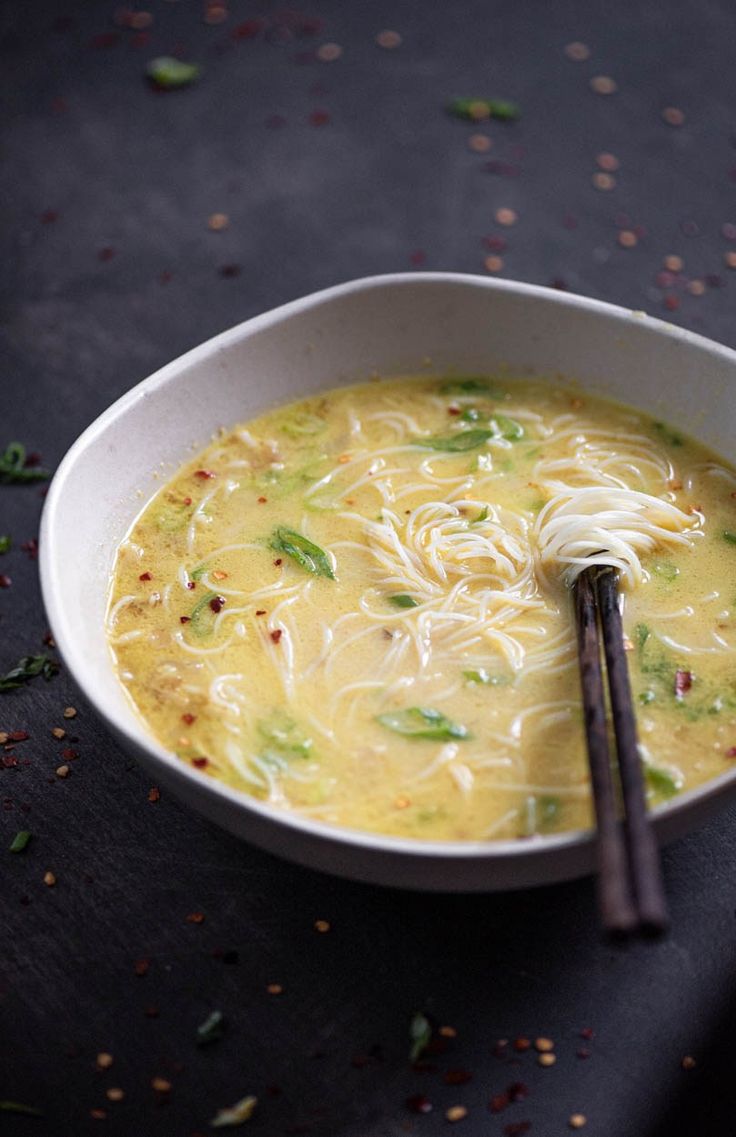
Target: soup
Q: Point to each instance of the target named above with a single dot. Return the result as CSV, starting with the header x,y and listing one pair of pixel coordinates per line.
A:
x,y
357,607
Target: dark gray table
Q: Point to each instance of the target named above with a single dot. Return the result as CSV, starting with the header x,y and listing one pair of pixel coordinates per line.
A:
x,y
329,171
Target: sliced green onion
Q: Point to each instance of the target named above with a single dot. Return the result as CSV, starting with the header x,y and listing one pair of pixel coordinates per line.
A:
x,y
20,841
455,443
169,72
306,554
403,600
423,722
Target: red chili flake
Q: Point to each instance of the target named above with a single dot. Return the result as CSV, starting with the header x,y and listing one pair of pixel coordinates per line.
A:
x,y
499,1102
191,585
419,1104
276,635
453,410
105,254
200,763
204,474
495,244
141,966
9,760
583,1052
683,682
217,603
260,611
69,754
195,918
559,283
186,501
262,500
672,303
319,118
184,619
104,40
517,1091
587,1033
664,279
249,29
230,270
731,752
188,718
18,735
154,794
418,257
521,1044
517,1128
5,581
49,216
278,562
145,576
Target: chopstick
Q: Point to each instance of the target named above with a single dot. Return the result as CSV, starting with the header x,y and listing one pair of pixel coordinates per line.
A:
x,y
630,892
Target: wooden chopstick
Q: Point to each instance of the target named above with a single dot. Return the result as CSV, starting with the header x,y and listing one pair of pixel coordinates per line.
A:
x,y
643,855
616,901
630,891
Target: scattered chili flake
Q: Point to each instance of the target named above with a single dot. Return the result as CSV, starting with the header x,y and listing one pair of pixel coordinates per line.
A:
x,y
184,619
695,287
506,216
603,181
457,1077
161,1085
278,562
217,603
215,14
18,736
188,500
543,1044
188,718
218,221
417,258
583,1052
730,259
20,841
480,143
671,302
495,244
200,763
577,52
260,611
62,771
521,1044
140,20
49,879
673,263
546,1059
577,1120
328,52
447,1032
319,118
195,918
683,682
154,794
673,116
106,253
98,1114
606,161
321,925
627,239
249,29
114,1094
276,635
203,474
191,585
499,1102
69,754
262,500
603,85
5,580
688,1062
587,1033
104,1060
145,576
229,270
731,752
274,989
456,1112
388,40
418,1103
493,264
141,966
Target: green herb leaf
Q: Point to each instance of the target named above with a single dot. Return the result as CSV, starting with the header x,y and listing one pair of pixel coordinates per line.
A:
x,y
303,423
455,443
19,842
283,739
14,469
242,1111
667,570
420,1035
26,669
668,434
5,544
662,781
423,722
168,72
403,600
647,697
306,554
476,109
198,572
469,387
211,1029
730,536
202,618
484,678
19,1107
509,428
642,633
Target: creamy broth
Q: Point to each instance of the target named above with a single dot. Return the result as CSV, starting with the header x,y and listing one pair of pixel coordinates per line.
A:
x,y
357,607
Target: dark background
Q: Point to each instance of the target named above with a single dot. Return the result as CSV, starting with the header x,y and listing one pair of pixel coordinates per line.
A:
x,y
110,270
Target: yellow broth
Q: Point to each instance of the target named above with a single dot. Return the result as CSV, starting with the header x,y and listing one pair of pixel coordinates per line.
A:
x,y
336,608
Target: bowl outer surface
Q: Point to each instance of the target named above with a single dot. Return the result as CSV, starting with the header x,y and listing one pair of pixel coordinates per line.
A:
x,y
402,324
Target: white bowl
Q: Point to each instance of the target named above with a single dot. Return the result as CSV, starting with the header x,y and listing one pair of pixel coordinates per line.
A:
x,y
430,322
